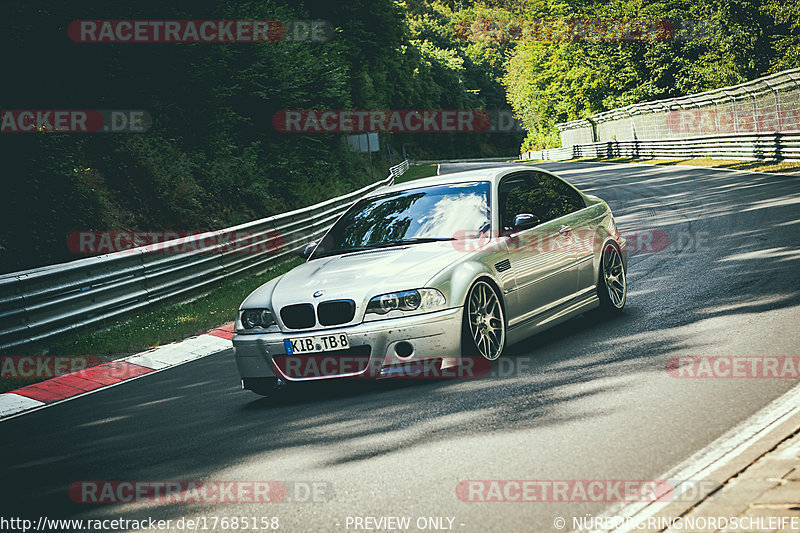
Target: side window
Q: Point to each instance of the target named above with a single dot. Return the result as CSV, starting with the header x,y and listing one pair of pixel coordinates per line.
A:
x,y
517,195
558,198
545,196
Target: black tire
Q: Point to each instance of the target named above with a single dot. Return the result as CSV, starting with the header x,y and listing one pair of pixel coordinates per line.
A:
x,y
486,332
612,285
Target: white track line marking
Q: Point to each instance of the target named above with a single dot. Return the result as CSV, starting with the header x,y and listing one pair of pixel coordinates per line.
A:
x,y
11,403
179,352
720,452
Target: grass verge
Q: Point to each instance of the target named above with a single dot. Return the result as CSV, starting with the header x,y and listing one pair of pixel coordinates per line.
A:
x,y
416,172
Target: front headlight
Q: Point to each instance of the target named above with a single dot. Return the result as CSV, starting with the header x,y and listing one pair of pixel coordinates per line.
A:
x,y
255,318
419,301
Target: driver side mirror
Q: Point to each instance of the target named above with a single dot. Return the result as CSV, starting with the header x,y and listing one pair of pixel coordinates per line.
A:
x,y
525,221
308,250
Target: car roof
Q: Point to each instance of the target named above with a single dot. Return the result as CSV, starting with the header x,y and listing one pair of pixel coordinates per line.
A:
x,y
484,174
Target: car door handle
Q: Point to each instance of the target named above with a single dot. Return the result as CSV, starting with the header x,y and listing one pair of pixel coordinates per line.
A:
x,y
564,230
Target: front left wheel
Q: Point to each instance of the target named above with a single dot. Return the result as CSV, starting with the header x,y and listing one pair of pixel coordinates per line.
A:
x,y
484,329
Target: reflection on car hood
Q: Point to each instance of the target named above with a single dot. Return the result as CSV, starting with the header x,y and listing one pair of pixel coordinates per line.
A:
x,y
362,275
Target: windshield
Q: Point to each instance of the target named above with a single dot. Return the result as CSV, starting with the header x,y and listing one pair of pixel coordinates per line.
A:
x,y
441,212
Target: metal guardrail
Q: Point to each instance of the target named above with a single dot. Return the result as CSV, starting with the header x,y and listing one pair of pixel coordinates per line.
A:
x,y
397,170
748,147
769,103
43,302
551,154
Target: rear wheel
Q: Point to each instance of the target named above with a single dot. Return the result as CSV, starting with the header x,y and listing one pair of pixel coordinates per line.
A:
x,y
484,330
612,287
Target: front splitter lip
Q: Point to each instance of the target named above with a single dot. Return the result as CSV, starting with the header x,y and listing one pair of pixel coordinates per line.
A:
x,y
282,375
433,335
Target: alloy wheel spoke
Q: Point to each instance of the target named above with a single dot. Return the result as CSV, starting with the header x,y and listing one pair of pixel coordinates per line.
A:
x,y
473,301
484,347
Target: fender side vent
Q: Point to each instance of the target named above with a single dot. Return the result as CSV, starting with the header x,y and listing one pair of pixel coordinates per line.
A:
x,y
503,265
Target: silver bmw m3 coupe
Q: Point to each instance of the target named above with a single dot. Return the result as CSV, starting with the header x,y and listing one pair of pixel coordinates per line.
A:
x,y
431,272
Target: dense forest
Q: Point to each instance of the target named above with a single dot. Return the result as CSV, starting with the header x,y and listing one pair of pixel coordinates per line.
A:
x,y
553,82
213,158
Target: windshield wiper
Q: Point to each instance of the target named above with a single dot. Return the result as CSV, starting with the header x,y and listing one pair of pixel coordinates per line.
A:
x,y
413,240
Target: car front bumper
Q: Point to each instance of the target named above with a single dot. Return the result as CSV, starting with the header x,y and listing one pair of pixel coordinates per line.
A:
x,y
432,336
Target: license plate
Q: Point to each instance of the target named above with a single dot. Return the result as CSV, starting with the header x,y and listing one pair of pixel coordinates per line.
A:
x,y
317,343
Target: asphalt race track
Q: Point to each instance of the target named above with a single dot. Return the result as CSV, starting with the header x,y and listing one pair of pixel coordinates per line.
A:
x,y
590,399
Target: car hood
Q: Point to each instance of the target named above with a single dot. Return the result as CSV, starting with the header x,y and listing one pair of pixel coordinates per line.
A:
x,y
358,276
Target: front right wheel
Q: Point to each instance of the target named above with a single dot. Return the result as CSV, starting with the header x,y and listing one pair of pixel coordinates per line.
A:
x,y
484,330
612,287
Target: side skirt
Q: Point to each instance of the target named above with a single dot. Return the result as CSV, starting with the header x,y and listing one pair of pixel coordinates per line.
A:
x,y
580,304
